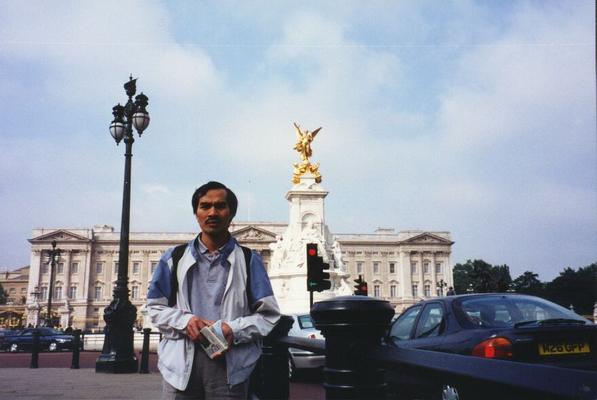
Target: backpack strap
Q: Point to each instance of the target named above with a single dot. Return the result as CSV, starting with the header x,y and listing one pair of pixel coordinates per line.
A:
x,y
177,254
248,254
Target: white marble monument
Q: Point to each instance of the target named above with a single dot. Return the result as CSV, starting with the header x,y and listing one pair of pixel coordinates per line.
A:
x,y
288,267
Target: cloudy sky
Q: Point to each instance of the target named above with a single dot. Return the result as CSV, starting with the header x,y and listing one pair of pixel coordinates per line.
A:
x,y
476,117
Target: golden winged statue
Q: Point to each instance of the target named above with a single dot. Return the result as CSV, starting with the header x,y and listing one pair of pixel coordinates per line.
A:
x,y
303,146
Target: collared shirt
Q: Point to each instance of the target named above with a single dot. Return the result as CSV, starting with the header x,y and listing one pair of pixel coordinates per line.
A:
x,y
207,279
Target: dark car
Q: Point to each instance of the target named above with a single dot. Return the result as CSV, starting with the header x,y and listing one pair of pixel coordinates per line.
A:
x,y
498,326
49,339
4,333
502,326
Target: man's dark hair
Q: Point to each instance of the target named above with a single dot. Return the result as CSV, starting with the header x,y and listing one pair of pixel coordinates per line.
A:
x,y
202,191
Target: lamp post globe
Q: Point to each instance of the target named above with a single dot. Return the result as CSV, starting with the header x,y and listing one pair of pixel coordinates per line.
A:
x,y
118,355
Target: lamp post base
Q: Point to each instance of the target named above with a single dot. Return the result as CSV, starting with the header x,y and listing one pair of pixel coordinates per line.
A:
x,y
112,364
118,354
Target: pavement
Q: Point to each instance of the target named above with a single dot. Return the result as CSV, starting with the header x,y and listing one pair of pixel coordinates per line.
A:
x,y
55,380
76,384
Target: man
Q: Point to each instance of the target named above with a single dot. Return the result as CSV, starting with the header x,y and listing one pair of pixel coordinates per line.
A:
x,y
215,287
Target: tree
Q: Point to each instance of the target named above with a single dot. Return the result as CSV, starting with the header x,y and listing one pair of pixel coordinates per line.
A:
x,y
3,295
575,288
462,277
529,283
481,276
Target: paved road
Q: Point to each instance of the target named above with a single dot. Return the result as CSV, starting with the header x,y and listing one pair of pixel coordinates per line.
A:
x,y
55,380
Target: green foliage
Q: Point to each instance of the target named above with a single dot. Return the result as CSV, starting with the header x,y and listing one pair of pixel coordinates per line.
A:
x,y
576,288
529,283
479,276
3,295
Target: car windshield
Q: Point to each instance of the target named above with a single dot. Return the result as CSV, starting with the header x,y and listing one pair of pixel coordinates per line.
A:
x,y
506,311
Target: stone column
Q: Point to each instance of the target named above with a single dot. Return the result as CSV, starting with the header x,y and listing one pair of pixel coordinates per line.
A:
x,y
405,290
66,272
421,291
433,275
86,274
448,270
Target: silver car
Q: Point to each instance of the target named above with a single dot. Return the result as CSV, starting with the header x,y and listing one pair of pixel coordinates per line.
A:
x,y
303,359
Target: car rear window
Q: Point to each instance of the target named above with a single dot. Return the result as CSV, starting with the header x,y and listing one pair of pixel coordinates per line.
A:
x,y
505,311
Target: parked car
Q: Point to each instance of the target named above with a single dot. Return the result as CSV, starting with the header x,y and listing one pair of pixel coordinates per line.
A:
x,y
302,359
4,333
500,326
49,339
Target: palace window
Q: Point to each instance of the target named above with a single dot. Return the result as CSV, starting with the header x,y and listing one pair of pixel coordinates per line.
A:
x,y
98,293
135,292
376,291
58,293
136,267
44,268
427,290
415,290
376,267
392,291
74,268
154,265
392,268
438,268
60,268
43,295
359,267
115,267
99,267
426,267
413,267
72,292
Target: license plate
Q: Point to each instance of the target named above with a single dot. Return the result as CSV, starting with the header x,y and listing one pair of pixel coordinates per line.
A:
x,y
550,349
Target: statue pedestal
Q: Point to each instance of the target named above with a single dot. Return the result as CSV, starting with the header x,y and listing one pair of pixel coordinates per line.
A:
x,y
288,268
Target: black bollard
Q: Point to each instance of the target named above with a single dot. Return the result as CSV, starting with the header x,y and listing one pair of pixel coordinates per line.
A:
x,y
35,349
270,378
76,346
350,324
144,368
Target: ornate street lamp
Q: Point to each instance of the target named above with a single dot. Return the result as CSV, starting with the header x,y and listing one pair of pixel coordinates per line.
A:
x,y
52,257
440,287
118,355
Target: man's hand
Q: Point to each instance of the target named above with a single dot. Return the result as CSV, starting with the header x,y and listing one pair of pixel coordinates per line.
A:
x,y
227,331
194,327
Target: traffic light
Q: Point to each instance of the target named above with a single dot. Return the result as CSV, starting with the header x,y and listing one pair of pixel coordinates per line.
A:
x,y
317,280
360,287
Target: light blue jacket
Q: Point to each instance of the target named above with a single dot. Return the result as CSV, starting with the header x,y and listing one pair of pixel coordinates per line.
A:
x,y
250,319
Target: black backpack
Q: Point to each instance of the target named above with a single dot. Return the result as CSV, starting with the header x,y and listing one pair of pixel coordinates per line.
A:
x,y
177,255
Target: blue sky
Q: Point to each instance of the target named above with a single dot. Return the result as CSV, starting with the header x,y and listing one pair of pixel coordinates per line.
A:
x,y
476,117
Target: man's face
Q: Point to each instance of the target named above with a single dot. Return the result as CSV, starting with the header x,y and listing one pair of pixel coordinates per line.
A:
x,y
213,212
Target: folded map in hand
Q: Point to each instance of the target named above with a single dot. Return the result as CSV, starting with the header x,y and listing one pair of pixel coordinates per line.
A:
x,y
213,341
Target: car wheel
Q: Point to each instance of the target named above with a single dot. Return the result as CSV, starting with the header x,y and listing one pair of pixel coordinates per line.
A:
x,y
53,346
14,347
449,393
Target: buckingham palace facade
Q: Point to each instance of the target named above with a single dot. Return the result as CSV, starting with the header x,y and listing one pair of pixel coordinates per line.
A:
x,y
402,267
